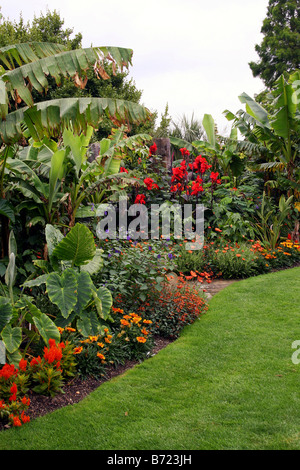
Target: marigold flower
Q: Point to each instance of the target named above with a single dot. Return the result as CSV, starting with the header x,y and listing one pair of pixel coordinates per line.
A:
x,y
141,339
101,356
77,350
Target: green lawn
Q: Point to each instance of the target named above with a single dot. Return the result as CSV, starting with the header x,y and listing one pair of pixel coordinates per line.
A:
x,y
227,383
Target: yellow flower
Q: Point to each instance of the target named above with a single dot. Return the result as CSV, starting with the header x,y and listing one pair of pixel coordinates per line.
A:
x,y
101,345
93,338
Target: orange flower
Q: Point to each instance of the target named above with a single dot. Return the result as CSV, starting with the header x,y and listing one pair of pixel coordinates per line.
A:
x,y
141,339
101,356
77,350
238,255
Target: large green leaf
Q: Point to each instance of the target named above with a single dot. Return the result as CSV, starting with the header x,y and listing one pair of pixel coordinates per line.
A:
x,y
62,290
94,266
209,126
46,327
51,117
78,246
255,109
56,174
71,63
12,338
84,291
25,53
103,301
5,312
38,281
286,108
53,237
88,324
7,210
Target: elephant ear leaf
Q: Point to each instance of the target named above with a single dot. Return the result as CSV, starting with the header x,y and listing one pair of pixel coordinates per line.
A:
x,y
47,329
12,338
5,312
78,246
103,301
84,291
62,291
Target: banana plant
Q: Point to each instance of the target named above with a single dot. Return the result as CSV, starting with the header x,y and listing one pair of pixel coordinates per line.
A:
x,y
26,68
276,128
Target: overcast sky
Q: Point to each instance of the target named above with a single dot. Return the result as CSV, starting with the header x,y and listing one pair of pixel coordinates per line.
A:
x,y
191,54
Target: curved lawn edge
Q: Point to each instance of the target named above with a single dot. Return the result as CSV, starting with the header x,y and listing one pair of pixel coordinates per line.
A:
x,y
228,382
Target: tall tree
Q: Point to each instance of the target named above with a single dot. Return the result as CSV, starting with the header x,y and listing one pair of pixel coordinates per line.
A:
x,y
279,51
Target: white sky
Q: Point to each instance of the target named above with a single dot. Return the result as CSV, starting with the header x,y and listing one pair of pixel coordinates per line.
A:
x,y
191,54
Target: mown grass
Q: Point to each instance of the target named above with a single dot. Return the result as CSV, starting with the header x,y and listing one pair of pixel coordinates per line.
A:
x,y
227,383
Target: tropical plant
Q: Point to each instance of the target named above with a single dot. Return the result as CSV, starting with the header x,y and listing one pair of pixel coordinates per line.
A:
x,y
27,67
276,130
270,221
67,277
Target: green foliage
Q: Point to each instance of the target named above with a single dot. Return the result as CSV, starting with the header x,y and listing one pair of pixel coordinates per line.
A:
x,y
270,221
279,49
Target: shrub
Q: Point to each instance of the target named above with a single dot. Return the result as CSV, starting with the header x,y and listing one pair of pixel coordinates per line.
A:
x,y
176,307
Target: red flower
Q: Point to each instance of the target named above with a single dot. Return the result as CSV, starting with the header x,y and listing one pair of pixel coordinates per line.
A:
x,y
200,165
179,172
7,371
197,186
214,178
35,361
152,149
16,420
22,365
140,199
184,152
123,170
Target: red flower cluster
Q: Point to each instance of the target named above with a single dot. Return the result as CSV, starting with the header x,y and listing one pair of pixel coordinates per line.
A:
x,y
140,199
200,165
7,371
123,170
197,186
153,149
215,178
53,353
184,152
150,184
179,172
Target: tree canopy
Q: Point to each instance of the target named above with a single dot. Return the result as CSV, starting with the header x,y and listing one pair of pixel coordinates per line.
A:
x,y
279,51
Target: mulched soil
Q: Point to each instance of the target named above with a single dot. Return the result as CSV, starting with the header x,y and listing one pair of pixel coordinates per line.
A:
x,y
77,388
